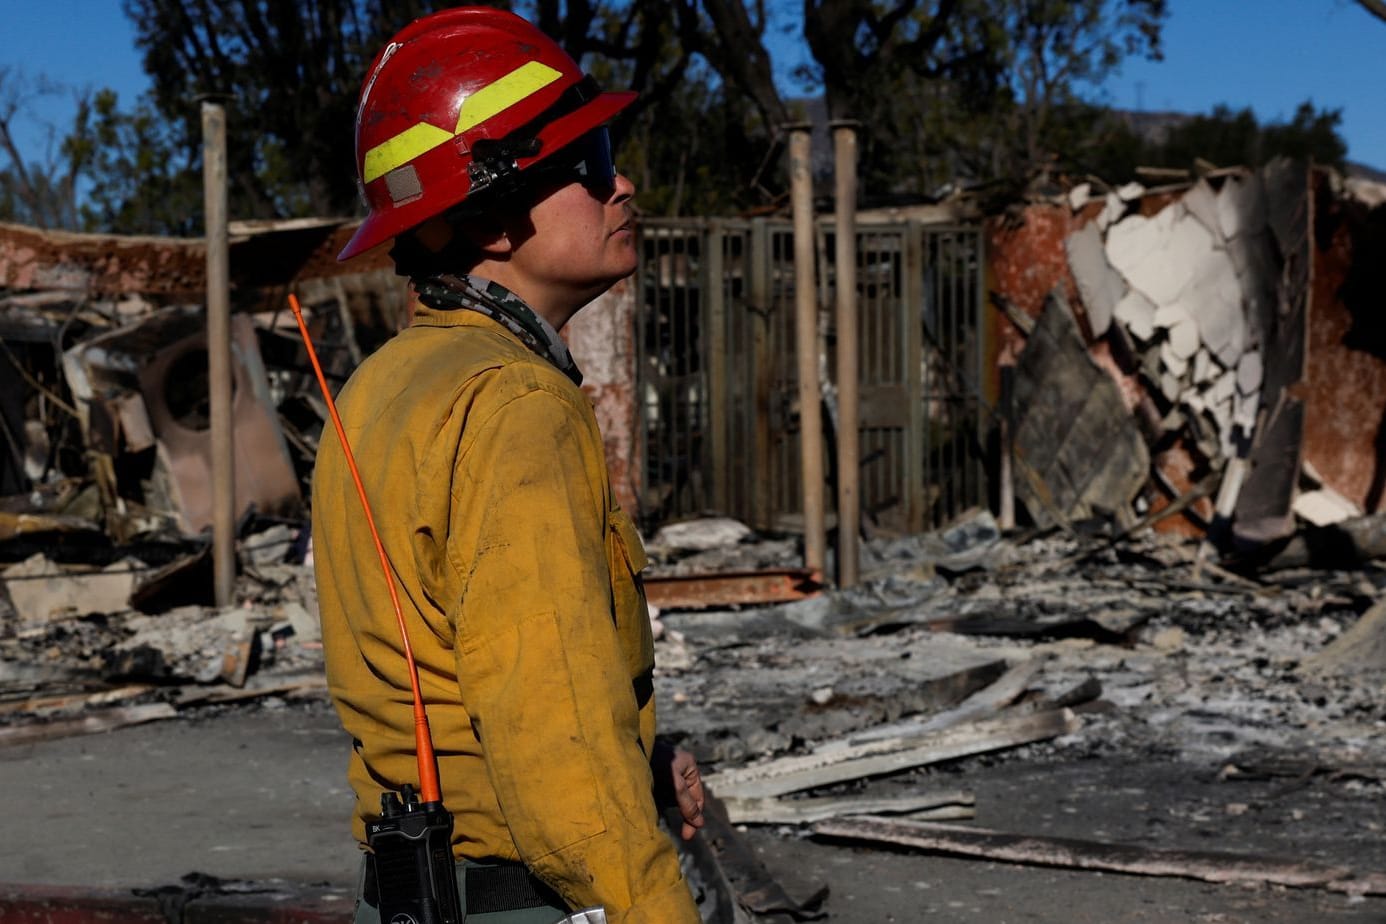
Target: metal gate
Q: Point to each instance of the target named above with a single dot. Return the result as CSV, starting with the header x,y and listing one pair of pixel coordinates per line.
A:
x,y
718,378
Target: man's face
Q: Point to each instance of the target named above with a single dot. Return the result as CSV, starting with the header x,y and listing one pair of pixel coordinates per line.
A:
x,y
581,239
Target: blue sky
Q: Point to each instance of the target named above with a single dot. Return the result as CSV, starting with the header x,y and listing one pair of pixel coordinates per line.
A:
x,y
1270,55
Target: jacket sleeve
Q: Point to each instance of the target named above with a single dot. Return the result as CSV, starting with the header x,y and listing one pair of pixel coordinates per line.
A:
x,y
540,665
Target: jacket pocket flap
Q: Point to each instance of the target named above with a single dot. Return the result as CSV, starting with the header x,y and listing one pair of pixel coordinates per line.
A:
x,y
630,540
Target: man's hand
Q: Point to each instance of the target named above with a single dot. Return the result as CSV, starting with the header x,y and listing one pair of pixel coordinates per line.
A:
x,y
678,782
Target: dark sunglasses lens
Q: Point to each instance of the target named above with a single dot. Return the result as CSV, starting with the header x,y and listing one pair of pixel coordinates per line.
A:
x,y
591,160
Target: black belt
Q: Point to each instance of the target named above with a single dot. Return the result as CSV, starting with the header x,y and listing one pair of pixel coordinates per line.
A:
x,y
506,887
496,886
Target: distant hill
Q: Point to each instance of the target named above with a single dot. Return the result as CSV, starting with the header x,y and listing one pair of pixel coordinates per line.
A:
x,y
1363,172
1154,127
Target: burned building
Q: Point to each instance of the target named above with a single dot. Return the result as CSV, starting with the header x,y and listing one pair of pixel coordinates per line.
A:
x,y
1203,356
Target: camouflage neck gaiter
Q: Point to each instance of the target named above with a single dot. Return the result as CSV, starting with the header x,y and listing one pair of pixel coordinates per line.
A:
x,y
447,292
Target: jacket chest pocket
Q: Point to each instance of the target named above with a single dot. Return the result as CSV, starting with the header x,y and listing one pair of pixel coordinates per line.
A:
x,y
626,557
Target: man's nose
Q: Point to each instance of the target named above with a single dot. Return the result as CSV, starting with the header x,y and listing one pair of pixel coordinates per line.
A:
x,y
623,190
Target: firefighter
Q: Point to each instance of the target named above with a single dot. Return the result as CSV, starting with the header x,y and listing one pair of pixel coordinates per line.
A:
x,y
484,159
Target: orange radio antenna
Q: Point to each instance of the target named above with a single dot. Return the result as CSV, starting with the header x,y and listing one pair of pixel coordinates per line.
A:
x,y
423,740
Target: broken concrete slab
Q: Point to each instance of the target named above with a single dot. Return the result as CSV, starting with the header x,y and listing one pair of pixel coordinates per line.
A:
x,y
269,546
1143,252
307,626
1172,360
1099,286
1249,373
42,590
1213,297
1079,196
1204,370
1112,211
1138,314
1184,340
1222,389
1165,272
1130,192
1324,507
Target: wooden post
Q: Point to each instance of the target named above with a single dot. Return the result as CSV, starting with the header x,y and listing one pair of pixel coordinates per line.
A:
x,y
806,346
848,390
715,315
219,351
1005,435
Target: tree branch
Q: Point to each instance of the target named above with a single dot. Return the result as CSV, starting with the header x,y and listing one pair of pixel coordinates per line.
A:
x,y
743,60
1376,7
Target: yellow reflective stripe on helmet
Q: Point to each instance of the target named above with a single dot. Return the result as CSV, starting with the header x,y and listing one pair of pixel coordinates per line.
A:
x,y
477,108
504,93
401,149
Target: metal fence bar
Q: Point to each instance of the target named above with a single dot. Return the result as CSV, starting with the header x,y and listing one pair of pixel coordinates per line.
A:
x,y
717,372
913,288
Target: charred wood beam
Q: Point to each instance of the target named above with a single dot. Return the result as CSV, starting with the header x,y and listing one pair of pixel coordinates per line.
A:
x,y
40,730
936,806
877,758
696,591
1074,853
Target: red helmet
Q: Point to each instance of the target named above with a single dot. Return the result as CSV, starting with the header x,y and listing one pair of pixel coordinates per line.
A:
x,y
461,101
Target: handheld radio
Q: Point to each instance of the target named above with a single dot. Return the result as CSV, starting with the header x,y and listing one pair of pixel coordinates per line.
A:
x,y
410,843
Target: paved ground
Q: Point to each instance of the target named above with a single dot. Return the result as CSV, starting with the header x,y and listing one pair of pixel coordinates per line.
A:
x,y
257,793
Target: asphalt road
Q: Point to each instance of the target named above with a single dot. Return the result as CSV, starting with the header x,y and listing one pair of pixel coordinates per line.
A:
x,y
258,793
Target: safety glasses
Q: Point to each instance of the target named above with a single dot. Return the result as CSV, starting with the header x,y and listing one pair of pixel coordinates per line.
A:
x,y
587,161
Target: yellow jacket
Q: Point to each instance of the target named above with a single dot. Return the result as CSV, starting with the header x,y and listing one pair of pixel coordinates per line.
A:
x,y
517,575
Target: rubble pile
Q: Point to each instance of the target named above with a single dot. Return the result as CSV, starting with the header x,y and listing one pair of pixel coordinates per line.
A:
x,y
75,640
1196,664
968,645
103,369
853,713
1198,371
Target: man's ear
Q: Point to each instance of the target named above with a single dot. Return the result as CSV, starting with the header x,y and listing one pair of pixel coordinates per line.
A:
x,y
434,234
486,235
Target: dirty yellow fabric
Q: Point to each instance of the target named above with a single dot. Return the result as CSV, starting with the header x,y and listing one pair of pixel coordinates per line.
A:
x,y
517,577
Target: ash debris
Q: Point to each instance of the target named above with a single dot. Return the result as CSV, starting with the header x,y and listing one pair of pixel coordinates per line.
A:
x,y
1199,666
967,656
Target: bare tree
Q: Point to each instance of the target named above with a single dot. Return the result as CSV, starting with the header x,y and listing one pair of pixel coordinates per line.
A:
x,y
36,187
734,44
